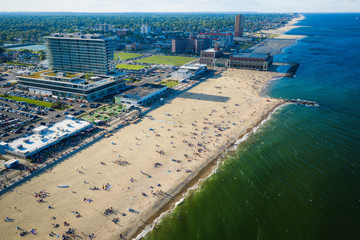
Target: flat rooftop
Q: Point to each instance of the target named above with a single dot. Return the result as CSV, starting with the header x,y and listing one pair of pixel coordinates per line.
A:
x,y
193,66
182,70
46,136
78,36
251,55
63,74
209,50
52,73
142,91
75,78
37,75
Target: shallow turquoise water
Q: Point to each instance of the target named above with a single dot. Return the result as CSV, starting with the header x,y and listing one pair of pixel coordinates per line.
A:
x,y
298,177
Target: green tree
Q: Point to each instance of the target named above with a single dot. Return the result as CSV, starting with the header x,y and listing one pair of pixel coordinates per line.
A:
x,y
89,75
41,55
2,50
57,105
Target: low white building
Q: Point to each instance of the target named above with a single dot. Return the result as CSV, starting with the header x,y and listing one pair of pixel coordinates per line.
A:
x,y
188,71
140,95
44,137
181,75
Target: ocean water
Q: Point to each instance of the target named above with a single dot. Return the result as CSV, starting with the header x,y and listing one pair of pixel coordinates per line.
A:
x,y
298,176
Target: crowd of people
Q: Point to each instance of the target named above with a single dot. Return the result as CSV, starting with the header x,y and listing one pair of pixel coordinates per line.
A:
x,y
109,211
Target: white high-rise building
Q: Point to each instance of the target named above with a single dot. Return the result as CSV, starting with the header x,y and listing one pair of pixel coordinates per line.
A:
x,y
77,52
105,27
145,29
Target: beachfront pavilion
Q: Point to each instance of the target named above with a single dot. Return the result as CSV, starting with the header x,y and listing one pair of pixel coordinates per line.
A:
x,y
141,95
255,61
43,137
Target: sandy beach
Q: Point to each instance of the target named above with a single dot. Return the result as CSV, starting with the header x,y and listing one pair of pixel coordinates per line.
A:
x,y
279,33
146,163
280,40
121,183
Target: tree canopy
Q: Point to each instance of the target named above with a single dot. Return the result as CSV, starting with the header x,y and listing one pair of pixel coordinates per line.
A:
x,y
33,27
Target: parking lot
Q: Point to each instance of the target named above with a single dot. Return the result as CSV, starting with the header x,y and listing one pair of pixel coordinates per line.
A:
x,y
18,118
13,120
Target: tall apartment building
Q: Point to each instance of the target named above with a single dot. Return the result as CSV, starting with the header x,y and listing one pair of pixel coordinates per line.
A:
x,y
185,45
76,52
239,25
105,27
190,45
201,44
222,39
145,29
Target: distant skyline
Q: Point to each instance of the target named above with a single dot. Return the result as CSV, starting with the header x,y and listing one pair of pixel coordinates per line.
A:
x,y
180,6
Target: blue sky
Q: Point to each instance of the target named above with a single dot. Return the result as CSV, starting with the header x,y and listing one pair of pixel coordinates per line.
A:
x,y
180,5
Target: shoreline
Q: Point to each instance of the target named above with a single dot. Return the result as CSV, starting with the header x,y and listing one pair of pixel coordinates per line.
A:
x,y
233,93
210,167
281,32
214,99
201,175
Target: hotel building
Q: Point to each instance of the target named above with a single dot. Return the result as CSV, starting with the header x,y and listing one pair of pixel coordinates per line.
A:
x,y
220,39
81,68
190,45
76,52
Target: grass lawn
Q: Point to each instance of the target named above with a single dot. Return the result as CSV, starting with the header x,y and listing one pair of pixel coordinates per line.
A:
x,y
130,66
132,80
161,59
126,56
273,35
169,83
31,101
246,46
67,75
37,74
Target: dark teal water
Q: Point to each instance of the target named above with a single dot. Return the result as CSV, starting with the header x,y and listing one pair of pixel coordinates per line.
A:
x,y
298,177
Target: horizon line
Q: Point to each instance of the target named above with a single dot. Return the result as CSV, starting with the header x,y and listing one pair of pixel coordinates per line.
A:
x,y
230,12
